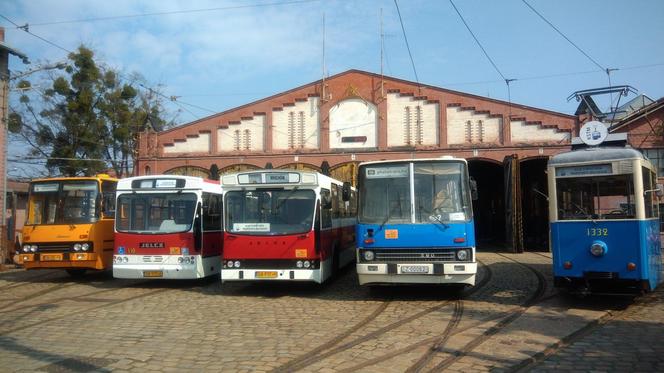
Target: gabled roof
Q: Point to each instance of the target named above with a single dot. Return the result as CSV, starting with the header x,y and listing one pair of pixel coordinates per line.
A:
x,y
637,114
370,74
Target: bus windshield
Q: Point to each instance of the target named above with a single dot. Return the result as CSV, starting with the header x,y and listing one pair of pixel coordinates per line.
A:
x,y
601,197
270,212
63,202
439,193
155,213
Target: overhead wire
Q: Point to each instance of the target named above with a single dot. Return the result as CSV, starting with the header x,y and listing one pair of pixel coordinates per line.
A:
x,y
506,80
403,29
564,36
186,11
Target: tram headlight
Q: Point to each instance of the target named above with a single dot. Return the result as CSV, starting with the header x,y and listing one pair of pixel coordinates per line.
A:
x,y
299,264
598,248
85,246
77,247
462,255
368,255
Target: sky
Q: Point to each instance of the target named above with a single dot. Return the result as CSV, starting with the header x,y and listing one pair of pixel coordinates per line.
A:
x,y
216,55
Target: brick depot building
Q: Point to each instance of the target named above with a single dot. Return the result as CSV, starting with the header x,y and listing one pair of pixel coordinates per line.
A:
x,y
334,124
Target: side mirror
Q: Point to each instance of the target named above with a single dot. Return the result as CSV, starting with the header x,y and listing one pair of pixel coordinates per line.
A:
x,y
345,192
326,201
198,231
473,189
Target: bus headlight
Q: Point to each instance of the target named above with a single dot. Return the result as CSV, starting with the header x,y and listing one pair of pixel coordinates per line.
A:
x,y
85,246
77,247
598,248
237,264
368,255
26,248
33,248
180,260
307,264
299,264
125,259
462,255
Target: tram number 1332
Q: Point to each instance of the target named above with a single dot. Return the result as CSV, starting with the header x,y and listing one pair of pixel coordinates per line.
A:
x,y
597,232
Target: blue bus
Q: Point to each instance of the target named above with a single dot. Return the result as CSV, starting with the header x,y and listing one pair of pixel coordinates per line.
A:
x,y
415,222
604,220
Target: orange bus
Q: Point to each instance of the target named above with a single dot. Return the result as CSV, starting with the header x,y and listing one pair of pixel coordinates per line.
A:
x,y
69,224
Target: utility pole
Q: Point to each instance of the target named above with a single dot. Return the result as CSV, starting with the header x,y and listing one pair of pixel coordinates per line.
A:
x,y
5,51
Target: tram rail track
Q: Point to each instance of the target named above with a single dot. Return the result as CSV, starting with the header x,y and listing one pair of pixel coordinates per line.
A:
x,y
85,310
535,298
437,344
320,354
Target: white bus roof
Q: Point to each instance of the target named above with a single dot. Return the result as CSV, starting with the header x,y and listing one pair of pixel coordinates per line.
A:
x,y
277,178
168,183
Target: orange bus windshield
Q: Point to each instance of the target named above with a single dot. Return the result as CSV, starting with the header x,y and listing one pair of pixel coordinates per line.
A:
x,y
63,202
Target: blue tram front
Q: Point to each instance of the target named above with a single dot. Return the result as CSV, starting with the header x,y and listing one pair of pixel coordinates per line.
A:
x,y
604,220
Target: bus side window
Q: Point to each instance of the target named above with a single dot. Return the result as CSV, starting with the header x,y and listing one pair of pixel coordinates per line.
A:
x,y
108,198
211,212
326,208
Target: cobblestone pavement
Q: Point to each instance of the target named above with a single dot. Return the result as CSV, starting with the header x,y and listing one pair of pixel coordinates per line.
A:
x,y
512,319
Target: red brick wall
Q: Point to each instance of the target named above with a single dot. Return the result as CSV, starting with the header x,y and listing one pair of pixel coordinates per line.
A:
x,y
338,88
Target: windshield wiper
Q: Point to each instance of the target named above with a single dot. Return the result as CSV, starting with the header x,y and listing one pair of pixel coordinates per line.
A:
x,y
436,218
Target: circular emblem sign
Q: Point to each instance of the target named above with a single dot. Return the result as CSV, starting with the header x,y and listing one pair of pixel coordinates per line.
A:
x,y
593,133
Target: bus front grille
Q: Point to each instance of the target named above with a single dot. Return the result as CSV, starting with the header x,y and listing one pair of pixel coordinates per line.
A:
x,y
153,259
415,256
54,247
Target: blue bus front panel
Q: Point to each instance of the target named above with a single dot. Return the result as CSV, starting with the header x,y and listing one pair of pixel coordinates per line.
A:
x,y
433,249
627,250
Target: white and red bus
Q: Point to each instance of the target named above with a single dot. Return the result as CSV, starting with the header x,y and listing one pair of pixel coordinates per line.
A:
x,y
168,226
286,225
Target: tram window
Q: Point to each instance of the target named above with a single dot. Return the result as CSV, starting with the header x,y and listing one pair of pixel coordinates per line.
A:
x,y
649,195
607,197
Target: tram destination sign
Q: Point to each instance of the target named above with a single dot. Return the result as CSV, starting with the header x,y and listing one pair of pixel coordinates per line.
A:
x,y
593,169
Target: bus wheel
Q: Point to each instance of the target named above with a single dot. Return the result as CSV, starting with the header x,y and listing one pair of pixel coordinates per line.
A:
x,y
76,272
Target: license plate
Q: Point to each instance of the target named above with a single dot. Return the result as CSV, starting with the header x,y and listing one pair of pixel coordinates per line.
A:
x,y
266,274
51,257
414,269
153,274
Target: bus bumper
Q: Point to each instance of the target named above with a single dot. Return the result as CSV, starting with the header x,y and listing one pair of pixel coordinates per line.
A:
x,y
59,260
383,273
313,275
167,269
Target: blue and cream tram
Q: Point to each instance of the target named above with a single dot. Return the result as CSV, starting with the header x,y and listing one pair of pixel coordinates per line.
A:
x,y
415,222
604,220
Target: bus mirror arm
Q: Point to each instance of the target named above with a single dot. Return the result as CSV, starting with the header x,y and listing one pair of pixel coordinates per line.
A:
x,y
541,193
659,191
